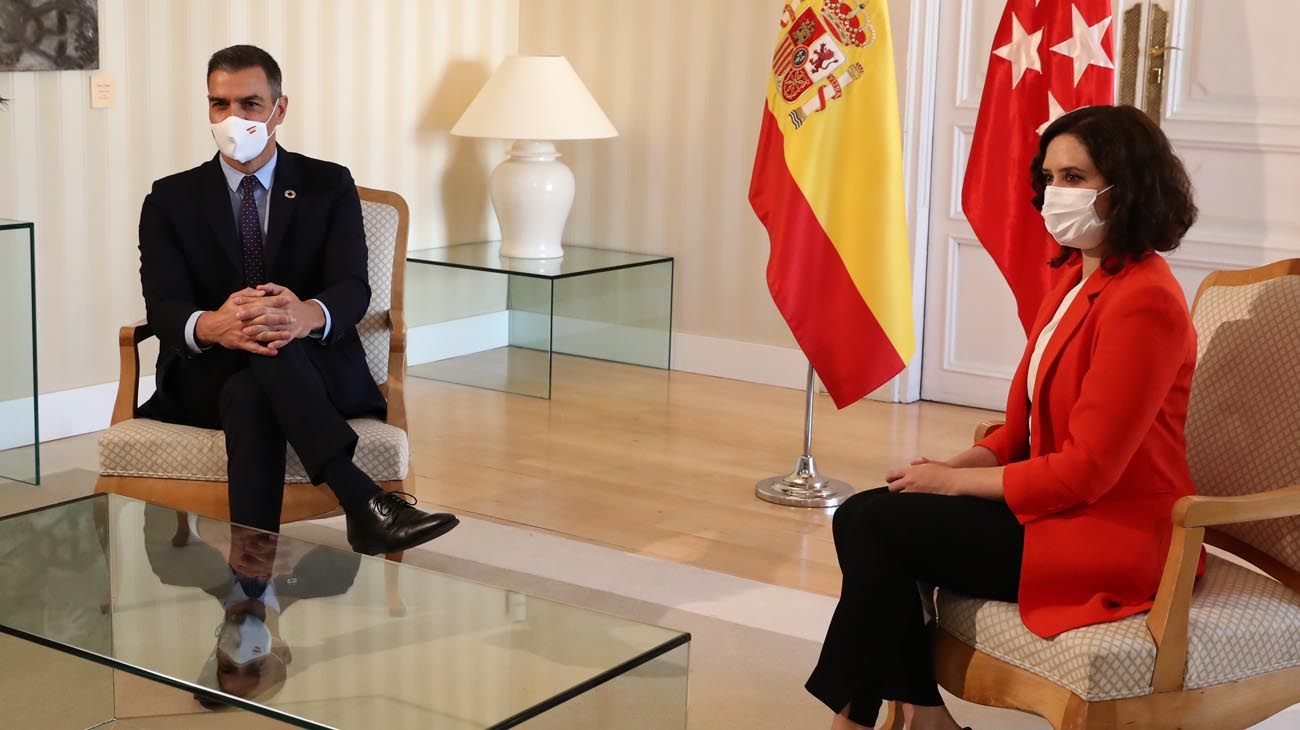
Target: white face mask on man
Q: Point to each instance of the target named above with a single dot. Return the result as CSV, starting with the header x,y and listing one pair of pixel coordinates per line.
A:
x,y
1071,218
244,642
241,139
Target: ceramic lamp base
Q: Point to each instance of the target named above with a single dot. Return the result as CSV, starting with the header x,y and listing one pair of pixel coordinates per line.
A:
x,y
532,192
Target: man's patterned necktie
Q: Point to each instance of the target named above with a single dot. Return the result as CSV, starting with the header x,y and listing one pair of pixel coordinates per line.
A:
x,y
250,232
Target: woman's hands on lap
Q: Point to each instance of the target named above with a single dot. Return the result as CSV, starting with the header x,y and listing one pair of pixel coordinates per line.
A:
x,y
924,476
973,472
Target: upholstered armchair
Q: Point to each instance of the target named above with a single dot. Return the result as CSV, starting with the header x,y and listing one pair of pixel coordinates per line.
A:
x,y
185,468
1219,652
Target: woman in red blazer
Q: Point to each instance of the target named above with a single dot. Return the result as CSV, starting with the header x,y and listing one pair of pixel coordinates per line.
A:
x,y
1066,509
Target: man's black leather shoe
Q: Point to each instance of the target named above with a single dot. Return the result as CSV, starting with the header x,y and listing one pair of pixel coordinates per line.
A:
x,y
390,524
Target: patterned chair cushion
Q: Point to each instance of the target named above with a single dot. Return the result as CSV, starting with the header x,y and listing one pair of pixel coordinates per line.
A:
x,y
144,448
1243,624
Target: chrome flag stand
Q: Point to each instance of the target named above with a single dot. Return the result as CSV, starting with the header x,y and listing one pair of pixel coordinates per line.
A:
x,y
804,487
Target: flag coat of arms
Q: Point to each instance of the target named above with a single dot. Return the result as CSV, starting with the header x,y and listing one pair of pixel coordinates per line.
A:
x,y
1049,57
828,187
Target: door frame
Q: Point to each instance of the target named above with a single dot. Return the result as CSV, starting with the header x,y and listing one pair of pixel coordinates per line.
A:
x,y
918,173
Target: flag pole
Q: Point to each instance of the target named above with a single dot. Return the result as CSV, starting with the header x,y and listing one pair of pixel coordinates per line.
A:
x,y
804,487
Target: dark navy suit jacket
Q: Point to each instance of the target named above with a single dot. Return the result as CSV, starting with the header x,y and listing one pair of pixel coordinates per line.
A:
x,y
191,259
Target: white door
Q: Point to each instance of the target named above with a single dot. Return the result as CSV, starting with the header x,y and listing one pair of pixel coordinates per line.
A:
x,y
1230,104
973,339
1232,110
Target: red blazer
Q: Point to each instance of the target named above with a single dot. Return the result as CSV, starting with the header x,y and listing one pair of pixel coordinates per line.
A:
x,y
1095,485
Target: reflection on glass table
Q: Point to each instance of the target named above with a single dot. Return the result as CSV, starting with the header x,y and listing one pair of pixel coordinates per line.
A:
x,y
19,445
483,320
307,634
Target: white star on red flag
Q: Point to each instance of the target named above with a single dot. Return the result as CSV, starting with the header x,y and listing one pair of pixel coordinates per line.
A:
x,y
1084,46
1075,65
1022,51
1054,112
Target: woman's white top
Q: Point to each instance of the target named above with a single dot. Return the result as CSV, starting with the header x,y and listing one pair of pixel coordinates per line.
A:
x,y
1045,337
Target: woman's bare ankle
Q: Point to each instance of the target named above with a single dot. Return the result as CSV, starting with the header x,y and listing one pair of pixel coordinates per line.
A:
x,y
842,722
921,717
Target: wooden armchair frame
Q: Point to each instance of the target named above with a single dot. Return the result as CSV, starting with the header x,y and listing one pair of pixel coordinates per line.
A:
x,y
981,678
301,501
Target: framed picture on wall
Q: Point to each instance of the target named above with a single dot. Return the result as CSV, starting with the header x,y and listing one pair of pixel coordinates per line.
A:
x,y
49,35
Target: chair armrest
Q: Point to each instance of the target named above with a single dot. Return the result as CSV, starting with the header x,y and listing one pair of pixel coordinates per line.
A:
x,y
1168,620
1169,616
395,387
1197,511
396,332
128,385
987,427
135,333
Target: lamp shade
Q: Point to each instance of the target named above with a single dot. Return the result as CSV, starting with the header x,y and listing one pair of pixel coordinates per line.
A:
x,y
534,97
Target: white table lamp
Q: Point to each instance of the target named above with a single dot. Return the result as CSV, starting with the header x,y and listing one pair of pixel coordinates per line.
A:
x,y
533,100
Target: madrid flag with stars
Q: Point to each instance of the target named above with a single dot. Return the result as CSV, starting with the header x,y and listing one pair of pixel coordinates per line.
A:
x,y
1049,57
828,186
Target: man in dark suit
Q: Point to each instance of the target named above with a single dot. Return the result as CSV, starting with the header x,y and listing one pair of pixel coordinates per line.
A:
x,y
226,250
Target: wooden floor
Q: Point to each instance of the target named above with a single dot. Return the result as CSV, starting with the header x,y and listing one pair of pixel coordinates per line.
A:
x,y
662,463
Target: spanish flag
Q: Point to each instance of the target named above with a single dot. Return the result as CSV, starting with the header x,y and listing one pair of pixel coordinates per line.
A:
x,y
828,186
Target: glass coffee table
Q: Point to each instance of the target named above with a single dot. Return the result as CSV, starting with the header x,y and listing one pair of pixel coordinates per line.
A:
x,y
307,635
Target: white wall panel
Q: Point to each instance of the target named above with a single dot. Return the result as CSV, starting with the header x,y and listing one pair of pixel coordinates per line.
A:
x,y
979,20
963,135
1238,62
1245,192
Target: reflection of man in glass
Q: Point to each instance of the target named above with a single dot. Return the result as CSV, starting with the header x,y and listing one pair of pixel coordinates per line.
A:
x,y
250,659
256,582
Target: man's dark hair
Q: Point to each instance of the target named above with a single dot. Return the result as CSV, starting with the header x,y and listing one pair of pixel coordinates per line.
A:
x,y
238,58
1151,204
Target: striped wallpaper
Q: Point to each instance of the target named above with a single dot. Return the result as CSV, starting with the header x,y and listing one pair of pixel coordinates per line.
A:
x,y
375,84
372,84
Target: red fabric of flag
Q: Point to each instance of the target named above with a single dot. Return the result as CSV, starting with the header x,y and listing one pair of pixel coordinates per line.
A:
x,y
1049,57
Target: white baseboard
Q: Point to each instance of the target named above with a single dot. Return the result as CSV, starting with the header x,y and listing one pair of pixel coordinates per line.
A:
x,y
63,413
587,338
431,342
784,367
594,339
732,359
15,423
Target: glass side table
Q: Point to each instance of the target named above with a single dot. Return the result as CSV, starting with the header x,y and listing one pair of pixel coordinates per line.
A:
x,y
19,434
594,303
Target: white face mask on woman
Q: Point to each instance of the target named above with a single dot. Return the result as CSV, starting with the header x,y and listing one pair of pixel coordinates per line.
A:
x,y
1071,218
240,139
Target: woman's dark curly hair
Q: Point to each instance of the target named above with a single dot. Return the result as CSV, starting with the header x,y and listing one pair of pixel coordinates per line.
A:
x,y
1151,203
